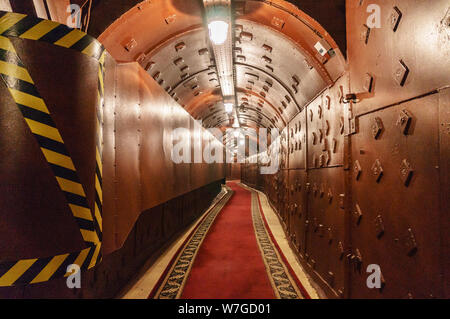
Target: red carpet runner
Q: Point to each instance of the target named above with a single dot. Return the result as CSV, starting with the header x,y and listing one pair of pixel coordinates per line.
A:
x,y
230,256
229,263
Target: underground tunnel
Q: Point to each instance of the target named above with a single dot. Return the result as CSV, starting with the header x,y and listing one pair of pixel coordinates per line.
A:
x,y
218,149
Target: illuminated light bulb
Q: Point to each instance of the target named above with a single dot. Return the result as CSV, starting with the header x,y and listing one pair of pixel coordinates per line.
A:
x,y
218,32
241,142
228,107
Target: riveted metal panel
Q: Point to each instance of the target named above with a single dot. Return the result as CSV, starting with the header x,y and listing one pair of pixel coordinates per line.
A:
x,y
325,238
407,56
127,143
395,201
298,209
389,178
282,203
53,67
284,155
326,127
268,37
333,122
145,117
155,154
314,117
179,118
109,157
297,141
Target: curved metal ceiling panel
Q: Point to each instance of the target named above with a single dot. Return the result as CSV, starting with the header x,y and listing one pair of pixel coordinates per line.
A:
x,y
268,37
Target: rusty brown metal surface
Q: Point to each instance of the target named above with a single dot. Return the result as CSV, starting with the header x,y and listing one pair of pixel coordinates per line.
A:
x,y
153,229
297,146
169,14
294,24
391,185
36,220
444,150
127,148
325,239
326,127
138,121
359,183
396,183
383,196
109,154
331,15
144,117
405,63
271,89
25,7
298,209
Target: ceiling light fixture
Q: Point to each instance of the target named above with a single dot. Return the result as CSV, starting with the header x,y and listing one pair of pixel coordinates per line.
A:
x,y
219,22
218,31
228,107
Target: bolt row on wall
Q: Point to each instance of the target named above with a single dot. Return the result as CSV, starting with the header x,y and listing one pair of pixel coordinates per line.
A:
x,y
367,182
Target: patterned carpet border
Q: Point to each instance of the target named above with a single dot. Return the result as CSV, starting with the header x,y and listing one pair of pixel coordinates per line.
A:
x,y
173,284
300,286
282,282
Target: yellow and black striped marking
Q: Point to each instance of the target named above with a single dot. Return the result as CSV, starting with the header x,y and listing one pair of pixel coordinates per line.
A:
x,y
33,28
37,116
40,122
31,271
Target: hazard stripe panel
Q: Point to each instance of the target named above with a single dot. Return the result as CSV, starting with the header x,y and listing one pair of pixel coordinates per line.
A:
x,y
39,120
99,160
5,44
15,70
58,159
41,124
50,268
9,20
31,271
15,272
44,129
33,28
29,100
39,30
90,236
81,212
95,256
98,216
70,39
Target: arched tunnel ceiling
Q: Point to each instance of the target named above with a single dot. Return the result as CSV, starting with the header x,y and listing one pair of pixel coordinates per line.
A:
x,y
277,69
330,14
